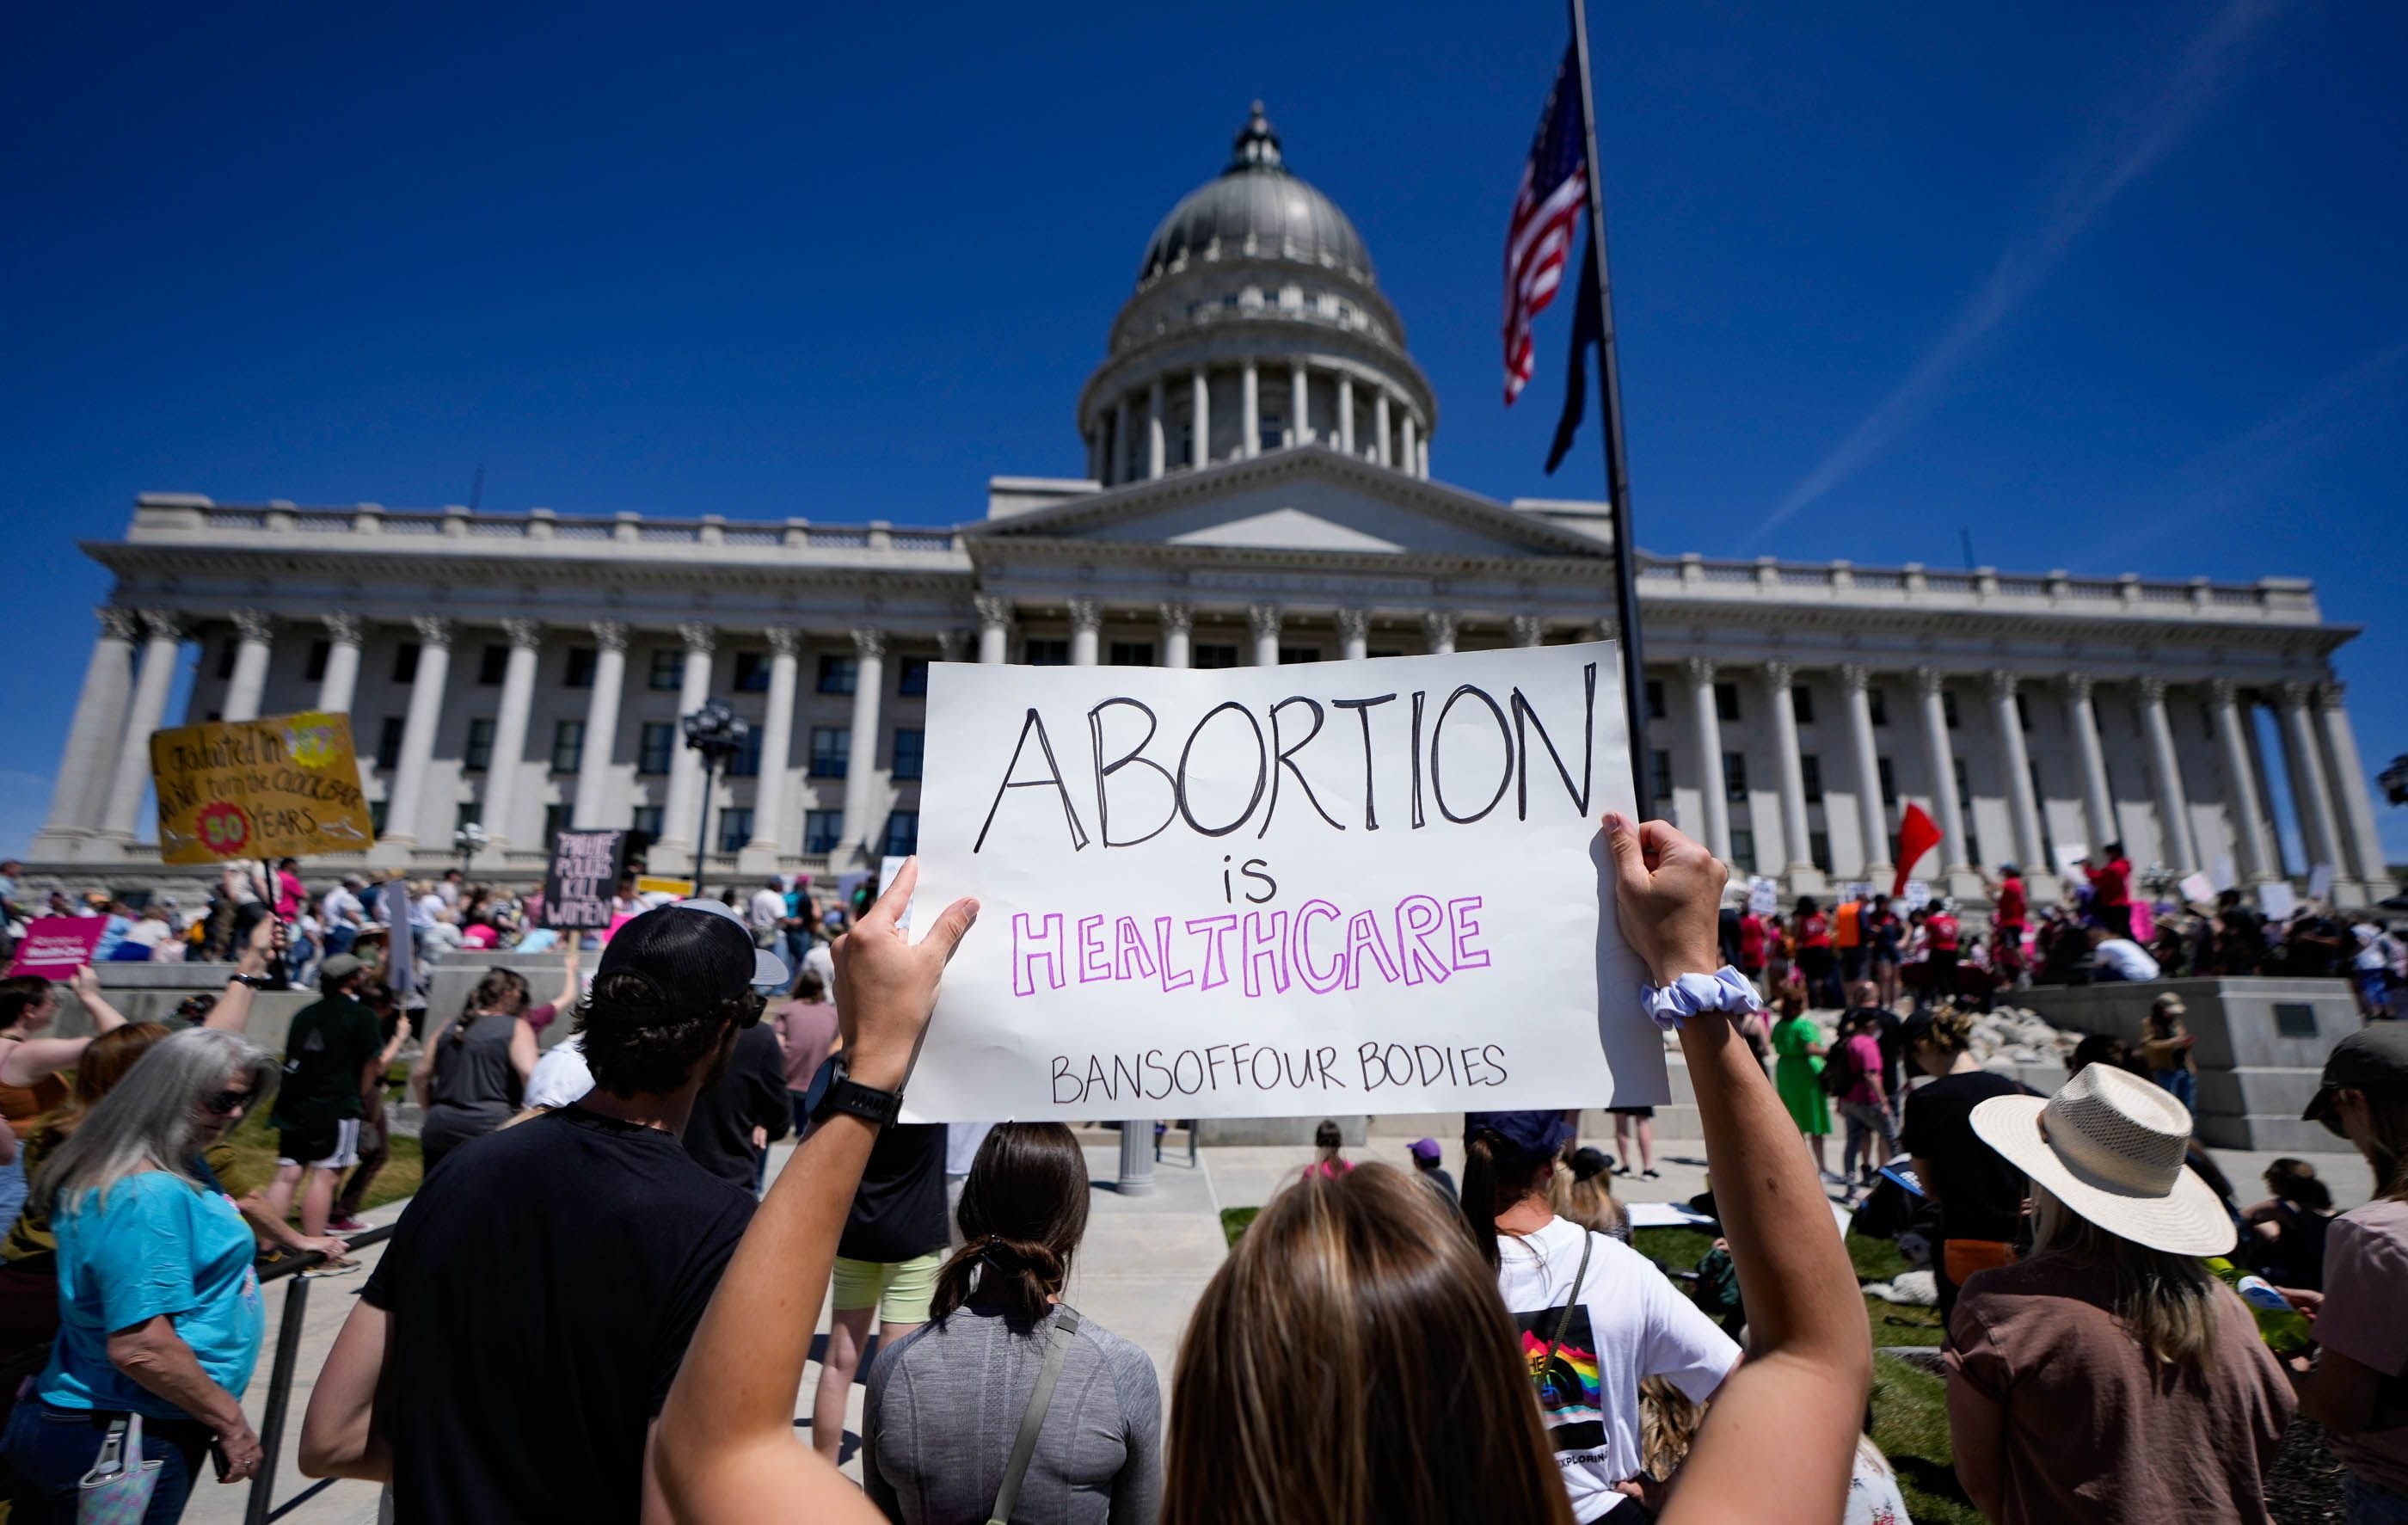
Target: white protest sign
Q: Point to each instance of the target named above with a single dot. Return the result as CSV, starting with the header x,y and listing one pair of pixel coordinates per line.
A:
x,y
1856,890
2320,879
1763,896
2197,887
1367,886
2073,860
1917,896
2224,878
2276,900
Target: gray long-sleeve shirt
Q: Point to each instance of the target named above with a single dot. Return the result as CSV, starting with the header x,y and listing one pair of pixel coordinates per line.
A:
x,y
943,1407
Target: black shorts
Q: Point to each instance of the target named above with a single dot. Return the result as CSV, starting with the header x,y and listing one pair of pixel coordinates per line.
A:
x,y
329,1146
1632,1112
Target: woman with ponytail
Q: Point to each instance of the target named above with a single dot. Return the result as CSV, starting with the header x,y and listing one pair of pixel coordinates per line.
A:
x,y
944,1406
1594,1315
474,1069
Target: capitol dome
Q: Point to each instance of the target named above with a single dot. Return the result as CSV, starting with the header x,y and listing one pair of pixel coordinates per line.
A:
x,y
1256,208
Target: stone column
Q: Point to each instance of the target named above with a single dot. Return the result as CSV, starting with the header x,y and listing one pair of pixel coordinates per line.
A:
x,y
1437,626
1380,447
2099,809
1528,630
1345,413
1412,444
1154,441
2240,781
2365,843
861,759
1264,620
1250,410
1421,466
1942,760
2174,802
147,709
2031,853
1177,624
601,725
994,626
1086,626
682,808
80,792
1200,390
408,787
1355,634
1709,726
1872,812
342,677
511,728
1778,678
248,684
760,855
1299,405
2309,796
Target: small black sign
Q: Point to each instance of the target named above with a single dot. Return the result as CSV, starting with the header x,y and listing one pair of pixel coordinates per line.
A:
x,y
2295,1019
584,877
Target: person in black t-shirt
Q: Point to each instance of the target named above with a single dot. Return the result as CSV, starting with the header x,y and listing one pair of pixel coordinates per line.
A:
x,y
506,1360
747,1103
1981,1196
887,1263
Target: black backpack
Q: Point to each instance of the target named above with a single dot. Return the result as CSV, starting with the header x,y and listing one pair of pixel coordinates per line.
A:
x,y
1839,1077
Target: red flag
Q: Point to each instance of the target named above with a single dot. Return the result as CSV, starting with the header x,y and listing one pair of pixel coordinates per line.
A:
x,y
1916,836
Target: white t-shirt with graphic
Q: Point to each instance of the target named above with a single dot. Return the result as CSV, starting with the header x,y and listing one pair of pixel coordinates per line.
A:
x,y
1631,1323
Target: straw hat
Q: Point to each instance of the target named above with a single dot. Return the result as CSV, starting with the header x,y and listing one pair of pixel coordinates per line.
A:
x,y
2110,1146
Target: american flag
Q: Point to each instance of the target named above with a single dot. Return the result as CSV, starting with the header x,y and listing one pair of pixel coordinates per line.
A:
x,y
1554,187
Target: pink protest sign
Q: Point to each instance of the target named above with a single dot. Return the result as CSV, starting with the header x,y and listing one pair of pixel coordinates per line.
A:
x,y
56,946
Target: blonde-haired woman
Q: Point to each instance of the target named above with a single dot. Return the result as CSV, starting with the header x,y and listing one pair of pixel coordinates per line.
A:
x,y
2108,1376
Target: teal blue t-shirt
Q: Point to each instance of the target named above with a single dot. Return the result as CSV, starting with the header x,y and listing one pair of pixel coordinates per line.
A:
x,y
158,1246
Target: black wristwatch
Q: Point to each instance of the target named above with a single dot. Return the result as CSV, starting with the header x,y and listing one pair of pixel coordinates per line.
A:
x,y
867,1103
257,982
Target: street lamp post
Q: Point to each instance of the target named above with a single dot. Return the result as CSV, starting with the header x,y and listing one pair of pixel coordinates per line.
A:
x,y
468,840
2394,780
717,733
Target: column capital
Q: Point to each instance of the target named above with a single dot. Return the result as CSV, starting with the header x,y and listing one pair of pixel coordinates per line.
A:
x,y
994,610
949,645
1439,625
2002,686
784,640
2332,694
163,624
699,639
1086,615
525,635
1176,617
1778,675
2223,693
868,643
2296,693
2153,689
1528,629
1699,668
1354,624
611,635
1928,682
2078,687
432,630
253,624
1262,620
346,629
1855,676
119,623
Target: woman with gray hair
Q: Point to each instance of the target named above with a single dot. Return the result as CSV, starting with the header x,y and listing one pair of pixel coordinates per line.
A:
x,y
159,1318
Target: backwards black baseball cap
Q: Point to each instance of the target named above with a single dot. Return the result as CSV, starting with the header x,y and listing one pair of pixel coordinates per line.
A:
x,y
692,948
2371,1058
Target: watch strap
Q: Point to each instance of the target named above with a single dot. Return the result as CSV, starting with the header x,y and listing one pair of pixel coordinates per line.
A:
x,y
867,1103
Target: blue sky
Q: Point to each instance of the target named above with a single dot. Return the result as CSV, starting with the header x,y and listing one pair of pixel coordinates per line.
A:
x,y
2109,288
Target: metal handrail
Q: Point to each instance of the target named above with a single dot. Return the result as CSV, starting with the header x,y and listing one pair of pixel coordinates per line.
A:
x,y
260,1507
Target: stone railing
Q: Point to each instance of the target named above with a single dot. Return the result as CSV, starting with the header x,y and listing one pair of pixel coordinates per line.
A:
x,y
172,513
2280,599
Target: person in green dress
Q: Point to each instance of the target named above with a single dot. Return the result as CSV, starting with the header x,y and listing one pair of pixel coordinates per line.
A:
x,y
1798,1039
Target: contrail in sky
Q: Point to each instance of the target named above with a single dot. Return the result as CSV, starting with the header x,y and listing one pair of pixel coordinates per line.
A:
x,y
2130,145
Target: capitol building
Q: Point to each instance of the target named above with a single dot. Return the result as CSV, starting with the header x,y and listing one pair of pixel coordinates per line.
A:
x,y
1258,447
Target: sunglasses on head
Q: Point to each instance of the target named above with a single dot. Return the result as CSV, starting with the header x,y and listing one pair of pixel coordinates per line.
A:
x,y
225,1102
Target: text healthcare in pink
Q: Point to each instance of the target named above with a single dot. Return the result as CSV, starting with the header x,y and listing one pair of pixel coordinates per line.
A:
x,y
1326,887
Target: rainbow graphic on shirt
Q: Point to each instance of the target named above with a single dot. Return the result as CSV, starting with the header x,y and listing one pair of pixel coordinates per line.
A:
x,y
1569,1388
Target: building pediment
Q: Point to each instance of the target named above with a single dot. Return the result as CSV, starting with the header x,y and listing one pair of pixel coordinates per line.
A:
x,y
1304,499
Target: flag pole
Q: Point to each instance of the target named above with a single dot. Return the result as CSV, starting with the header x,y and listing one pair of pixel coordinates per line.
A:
x,y
1617,472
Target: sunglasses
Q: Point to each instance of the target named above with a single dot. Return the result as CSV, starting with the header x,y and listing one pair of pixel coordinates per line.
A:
x,y
225,1104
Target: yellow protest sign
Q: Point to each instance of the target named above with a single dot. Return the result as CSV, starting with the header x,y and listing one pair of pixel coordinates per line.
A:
x,y
259,789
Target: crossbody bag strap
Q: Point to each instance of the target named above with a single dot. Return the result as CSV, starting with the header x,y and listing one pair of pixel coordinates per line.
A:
x,y
1564,1319
1065,1328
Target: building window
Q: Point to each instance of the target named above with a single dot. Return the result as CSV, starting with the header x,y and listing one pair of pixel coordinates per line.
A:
x,y
839,673
1654,698
1213,653
911,677
555,821
902,833
1735,775
388,751
1290,656
491,663
751,672
1727,701
1132,653
2047,837
1659,773
746,760
655,745
478,755
666,671
1743,847
823,829
1965,809
1801,703
314,671
735,828
908,748
405,661
1818,850
1948,707
377,814
831,750
580,668
226,656
467,813
645,823
1889,782
2023,712
1809,768
567,746
1383,654
1878,702
1045,652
